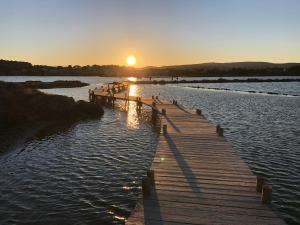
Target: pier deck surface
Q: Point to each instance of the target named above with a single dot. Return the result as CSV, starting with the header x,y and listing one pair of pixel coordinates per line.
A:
x,y
199,177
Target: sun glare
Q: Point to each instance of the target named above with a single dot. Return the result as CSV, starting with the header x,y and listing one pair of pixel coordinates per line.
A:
x,y
131,60
133,79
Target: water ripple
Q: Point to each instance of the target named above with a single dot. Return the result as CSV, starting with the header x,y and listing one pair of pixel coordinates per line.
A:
x,y
79,174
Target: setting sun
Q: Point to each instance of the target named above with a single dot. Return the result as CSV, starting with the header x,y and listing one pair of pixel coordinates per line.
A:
x,y
131,60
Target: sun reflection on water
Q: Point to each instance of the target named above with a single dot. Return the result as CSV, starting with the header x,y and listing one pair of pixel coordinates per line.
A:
x,y
132,116
132,90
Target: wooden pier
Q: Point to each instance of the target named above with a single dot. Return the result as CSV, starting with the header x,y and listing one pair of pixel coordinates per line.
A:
x,y
196,176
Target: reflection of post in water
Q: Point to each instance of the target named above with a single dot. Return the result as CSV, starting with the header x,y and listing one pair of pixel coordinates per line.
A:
x,y
126,107
139,104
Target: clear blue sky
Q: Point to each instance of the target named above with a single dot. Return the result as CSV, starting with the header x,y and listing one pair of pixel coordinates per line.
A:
x,y
157,32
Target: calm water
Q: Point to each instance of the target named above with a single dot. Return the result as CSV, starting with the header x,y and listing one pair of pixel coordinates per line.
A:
x,y
90,174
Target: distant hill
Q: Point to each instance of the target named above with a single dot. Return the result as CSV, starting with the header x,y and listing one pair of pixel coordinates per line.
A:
x,y
233,65
15,68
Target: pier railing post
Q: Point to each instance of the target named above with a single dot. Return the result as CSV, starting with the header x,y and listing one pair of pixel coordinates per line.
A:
x,y
163,111
165,129
199,112
266,196
221,131
154,116
218,128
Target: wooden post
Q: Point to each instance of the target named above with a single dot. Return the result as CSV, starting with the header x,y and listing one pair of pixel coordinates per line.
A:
x,y
153,104
113,100
150,175
163,111
221,131
137,104
266,196
199,112
146,186
154,116
260,181
218,128
157,97
165,129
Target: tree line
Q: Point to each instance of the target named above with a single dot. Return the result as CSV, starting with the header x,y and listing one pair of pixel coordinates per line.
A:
x,y
16,68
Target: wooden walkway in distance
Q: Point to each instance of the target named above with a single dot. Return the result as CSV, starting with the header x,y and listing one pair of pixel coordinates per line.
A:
x,y
198,178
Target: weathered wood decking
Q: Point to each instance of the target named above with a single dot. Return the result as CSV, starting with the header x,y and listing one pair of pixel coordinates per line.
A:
x,y
199,178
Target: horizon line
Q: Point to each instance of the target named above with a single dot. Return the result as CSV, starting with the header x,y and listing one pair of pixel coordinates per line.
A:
x,y
169,65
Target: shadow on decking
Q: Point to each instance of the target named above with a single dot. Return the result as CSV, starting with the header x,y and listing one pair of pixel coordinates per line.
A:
x,y
152,212
172,124
184,166
151,204
184,110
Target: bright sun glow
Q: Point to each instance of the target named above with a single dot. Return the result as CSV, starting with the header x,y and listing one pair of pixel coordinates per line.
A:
x,y
133,79
132,90
131,60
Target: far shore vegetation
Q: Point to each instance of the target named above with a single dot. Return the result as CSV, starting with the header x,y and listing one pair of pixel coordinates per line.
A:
x,y
16,68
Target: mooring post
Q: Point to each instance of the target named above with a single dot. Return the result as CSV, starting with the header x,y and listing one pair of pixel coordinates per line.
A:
x,y
221,131
154,116
137,104
199,112
266,196
113,100
157,97
153,104
165,129
146,186
163,111
218,128
260,181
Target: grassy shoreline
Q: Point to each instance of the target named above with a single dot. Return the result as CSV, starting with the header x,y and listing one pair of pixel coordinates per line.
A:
x,y
26,112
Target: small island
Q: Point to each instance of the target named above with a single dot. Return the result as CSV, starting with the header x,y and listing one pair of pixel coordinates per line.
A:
x,y
54,84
